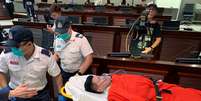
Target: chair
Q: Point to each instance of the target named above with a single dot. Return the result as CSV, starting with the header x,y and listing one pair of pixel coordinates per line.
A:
x,y
74,19
188,12
100,8
100,20
125,9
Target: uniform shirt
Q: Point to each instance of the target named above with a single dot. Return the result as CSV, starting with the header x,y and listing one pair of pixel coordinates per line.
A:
x,y
31,72
73,53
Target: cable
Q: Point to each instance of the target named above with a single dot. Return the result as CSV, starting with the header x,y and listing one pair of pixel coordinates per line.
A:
x,y
127,36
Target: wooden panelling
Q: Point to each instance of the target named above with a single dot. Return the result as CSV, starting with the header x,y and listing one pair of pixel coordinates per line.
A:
x,y
174,47
175,43
101,42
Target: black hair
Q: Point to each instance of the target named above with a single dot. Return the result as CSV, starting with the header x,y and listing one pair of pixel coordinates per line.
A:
x,y
55,8
88,85
154,6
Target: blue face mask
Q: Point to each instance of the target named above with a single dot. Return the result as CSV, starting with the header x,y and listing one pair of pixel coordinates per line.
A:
x,y
64,36
60,41
17,51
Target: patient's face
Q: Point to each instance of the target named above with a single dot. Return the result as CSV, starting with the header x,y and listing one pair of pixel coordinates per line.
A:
x,y
100,83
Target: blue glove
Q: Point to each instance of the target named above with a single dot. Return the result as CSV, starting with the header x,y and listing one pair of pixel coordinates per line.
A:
x,y
4,92
61,98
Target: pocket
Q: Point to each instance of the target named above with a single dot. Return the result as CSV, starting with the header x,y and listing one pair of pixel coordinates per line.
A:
x,y
39,68
38,71
74,50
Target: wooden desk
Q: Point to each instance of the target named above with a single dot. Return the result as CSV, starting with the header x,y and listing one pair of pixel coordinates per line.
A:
x,y
109,15
137,9
36,24
116,29
175,43
172,71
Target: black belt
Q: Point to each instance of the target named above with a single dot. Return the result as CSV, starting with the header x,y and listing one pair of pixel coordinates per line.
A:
x,y
158,94
44,89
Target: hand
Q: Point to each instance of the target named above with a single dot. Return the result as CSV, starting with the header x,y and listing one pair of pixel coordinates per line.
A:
x,y
61,98
147,50
49,29
22,91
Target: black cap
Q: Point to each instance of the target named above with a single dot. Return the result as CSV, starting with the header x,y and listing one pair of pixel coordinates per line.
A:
x,y
62,24
18,34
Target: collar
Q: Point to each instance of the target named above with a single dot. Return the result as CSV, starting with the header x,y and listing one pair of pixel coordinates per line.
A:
x,y
36,53
73,35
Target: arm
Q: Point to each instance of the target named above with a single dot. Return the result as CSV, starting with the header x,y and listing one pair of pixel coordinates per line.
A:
x,y
86,63
87,52
154,45
21,91
156,42
3,82
56,56
59,81
55,72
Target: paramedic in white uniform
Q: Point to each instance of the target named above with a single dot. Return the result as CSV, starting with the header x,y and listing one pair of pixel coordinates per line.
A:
x,y
27,65
73,49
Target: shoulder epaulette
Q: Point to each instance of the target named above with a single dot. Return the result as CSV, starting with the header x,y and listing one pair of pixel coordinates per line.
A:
x,y
45,52
7,50
78,35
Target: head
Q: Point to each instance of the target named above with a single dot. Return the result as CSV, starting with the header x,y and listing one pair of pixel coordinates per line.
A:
x,y
21,39
55,11
97,84
62,25
153,11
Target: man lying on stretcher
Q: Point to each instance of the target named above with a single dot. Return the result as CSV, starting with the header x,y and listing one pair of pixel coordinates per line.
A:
x,y
125,87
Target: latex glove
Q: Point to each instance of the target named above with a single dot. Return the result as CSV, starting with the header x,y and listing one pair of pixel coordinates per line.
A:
x,y
147,50
4,92
61,98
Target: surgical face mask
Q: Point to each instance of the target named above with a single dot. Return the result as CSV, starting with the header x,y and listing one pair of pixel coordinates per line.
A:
x,y
64,36
61,40
17,51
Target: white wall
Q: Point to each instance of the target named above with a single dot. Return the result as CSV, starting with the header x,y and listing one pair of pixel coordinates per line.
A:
x,y
168,3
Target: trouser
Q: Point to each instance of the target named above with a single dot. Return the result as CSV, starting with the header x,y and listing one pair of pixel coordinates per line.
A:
x,y
43,95
30,11
10,8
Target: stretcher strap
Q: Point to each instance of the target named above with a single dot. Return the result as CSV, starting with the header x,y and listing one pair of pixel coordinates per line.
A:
x,y
158,94
65,94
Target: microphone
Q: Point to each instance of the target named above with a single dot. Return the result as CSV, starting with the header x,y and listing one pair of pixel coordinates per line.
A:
x,y
143,17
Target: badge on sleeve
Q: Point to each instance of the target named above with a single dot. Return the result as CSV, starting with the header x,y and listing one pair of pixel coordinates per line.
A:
x,y
14,62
